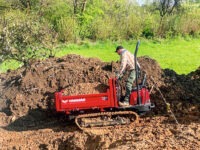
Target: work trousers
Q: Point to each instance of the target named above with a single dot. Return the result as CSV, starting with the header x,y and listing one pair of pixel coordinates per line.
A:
x,y
129,84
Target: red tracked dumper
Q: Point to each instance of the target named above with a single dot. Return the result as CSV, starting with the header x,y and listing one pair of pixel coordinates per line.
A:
x,y
98,110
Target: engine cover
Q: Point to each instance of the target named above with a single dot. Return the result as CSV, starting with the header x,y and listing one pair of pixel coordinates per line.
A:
x,y
144,94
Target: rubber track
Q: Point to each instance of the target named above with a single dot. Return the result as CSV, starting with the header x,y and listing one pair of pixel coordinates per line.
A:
x,y
105,114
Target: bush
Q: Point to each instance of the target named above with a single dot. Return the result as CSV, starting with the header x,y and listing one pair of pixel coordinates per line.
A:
x,y
21,36
59,14
102,28
132,26
190,24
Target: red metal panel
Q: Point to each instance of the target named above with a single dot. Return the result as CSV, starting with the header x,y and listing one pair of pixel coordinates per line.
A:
x,y
144,96
133,98
58,96
85,101
114,93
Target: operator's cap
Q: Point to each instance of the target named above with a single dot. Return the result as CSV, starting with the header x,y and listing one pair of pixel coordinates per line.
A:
x,y
119,47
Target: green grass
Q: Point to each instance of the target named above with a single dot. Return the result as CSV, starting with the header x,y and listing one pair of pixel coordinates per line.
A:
x,y
181,55
9,64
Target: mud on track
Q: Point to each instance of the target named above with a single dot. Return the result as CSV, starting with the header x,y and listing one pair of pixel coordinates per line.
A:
x,y
28,118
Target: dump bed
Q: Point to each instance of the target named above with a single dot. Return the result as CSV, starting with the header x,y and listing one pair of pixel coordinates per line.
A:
x,y
69,103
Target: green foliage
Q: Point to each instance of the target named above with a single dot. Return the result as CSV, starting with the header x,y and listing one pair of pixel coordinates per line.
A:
x,y
26,5
167,7
87,18
114,20
58,14
9,65
189,23
149,25
21,36
13,42
102,28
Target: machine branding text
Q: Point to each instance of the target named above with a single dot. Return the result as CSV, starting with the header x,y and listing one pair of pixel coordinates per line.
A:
x,y
73,100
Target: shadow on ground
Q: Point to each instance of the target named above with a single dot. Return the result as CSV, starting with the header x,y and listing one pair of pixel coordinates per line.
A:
x,y
40,119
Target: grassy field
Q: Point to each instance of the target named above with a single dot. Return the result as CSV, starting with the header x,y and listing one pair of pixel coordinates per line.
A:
x,y
181,55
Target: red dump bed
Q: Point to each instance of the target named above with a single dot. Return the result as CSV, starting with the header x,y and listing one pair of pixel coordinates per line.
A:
x,y
68,103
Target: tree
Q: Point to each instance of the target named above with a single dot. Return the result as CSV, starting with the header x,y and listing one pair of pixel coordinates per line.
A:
x,y
79,6
167,7
21,36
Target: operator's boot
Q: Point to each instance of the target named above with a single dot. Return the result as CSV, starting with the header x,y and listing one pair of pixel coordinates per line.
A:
x,y
124,104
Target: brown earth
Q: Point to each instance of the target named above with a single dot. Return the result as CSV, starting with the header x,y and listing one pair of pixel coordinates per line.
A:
x,y
86,88
28,119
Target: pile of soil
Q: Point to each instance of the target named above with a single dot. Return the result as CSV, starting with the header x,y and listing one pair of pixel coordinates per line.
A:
x,y
27,105
86,88
183,93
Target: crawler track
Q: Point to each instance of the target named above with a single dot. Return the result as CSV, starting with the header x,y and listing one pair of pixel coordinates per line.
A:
x,y
105,119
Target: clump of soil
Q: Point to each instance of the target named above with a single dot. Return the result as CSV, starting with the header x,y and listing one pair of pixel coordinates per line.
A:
x,y
151,68
86,88
27,105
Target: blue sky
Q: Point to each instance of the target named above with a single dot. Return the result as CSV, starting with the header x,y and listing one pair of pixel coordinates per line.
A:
x,y
140,2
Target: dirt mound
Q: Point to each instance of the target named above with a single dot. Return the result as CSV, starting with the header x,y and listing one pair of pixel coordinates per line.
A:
x,y
27,104
152,69
183,93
